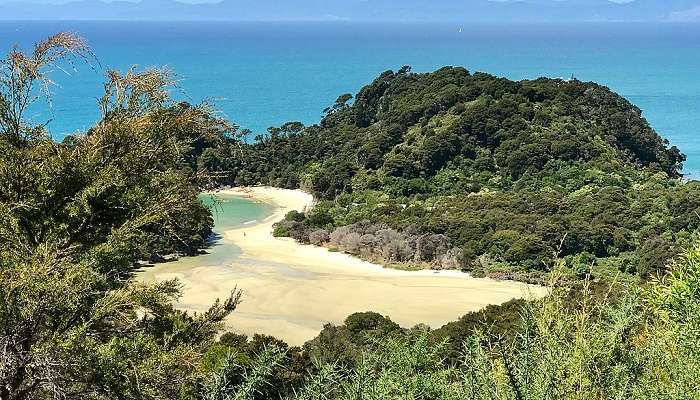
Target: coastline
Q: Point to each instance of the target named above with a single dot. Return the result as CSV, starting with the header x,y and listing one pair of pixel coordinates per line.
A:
x,y
257,242
291,290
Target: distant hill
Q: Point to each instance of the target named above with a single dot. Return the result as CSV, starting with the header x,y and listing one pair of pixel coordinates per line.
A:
x,y
359,10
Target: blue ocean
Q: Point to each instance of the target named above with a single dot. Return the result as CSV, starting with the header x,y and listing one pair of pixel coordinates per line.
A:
x,y
264,74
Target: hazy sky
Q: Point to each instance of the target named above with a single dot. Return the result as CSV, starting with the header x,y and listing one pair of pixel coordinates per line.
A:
x,y
205,1
106,1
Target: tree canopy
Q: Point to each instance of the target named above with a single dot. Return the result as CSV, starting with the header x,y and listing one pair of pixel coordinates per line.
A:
x,y
78,218
500,175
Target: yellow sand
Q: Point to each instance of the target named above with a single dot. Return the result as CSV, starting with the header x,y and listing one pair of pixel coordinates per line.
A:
x,y
292,290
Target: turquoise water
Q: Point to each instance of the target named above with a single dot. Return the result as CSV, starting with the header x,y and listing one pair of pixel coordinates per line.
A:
x,y
231,211
264,74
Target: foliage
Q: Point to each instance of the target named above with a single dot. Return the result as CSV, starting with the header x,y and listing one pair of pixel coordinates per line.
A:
x,y
24,78
234,359
343,345
229,383
448,168
597,350
511,173
77,218
376,242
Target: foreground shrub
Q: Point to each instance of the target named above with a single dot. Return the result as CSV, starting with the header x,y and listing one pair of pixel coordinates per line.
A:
x,y
642,345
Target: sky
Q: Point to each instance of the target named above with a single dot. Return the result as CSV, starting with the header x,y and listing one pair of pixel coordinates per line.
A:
x,y
355,10
191,1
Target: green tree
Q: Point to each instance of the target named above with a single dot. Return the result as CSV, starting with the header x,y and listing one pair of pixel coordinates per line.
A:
x,y
77,219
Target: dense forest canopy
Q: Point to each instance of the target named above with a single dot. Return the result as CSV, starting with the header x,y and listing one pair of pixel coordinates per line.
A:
x,y
489,174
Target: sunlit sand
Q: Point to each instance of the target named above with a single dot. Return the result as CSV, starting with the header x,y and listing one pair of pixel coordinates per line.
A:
x,y
292,290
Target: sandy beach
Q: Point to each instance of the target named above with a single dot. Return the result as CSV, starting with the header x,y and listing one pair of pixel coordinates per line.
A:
x,y
292,290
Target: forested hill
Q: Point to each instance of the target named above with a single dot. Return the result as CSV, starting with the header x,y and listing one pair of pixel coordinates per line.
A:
x,y
407,125
485,173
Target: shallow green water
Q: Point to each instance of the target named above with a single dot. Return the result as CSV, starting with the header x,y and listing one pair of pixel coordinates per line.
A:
x,y
231,211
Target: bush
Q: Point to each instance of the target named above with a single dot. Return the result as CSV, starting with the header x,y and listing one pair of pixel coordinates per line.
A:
x,y
319,237
654,255
642,345
295,216
280,231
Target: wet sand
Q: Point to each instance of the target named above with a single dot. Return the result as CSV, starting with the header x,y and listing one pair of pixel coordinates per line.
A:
x,y
292,290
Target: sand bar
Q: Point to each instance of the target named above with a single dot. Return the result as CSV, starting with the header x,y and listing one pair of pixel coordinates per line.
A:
x,y
292,290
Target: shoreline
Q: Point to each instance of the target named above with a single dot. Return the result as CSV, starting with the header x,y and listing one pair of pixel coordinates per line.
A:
x,y
291,290
256,239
